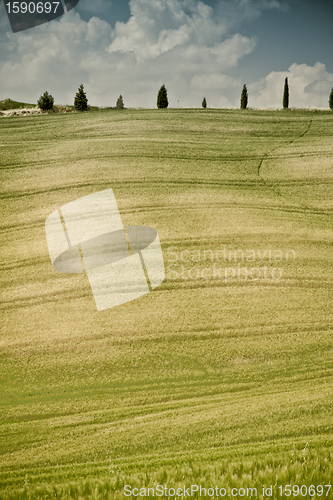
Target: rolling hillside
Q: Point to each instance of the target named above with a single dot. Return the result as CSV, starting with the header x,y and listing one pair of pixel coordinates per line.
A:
x,y
223,375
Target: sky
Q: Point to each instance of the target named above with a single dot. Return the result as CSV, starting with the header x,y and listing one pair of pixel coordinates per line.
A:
x,y
197,49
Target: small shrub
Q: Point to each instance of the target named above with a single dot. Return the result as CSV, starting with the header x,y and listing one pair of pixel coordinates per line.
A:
x,y
45,102
162,98
81,100
244,98
286,94
120,102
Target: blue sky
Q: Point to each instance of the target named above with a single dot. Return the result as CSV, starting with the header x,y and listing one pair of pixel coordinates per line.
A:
x,y
196,48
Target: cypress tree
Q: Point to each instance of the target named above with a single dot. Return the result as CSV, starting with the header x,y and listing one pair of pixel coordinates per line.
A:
x,y
162,98
80,100
45,102
244,98
286,94
120,102
204,103
330,101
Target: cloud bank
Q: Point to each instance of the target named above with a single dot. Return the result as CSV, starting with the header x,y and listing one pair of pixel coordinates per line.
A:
x,y
309,86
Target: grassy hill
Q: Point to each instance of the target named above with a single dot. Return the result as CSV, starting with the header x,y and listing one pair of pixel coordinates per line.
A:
x,y
208,380
9,104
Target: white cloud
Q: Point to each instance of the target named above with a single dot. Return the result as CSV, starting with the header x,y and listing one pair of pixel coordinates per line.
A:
x,y
51,57
308,86
176,42
179,43
158,26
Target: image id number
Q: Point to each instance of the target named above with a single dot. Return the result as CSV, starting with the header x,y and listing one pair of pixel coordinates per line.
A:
x,y
288,490
32,7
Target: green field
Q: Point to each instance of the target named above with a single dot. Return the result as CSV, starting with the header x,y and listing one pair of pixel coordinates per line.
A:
x,y
207,380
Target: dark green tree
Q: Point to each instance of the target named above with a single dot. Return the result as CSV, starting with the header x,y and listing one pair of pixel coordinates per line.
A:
x,y
286,94
162,98
244,98
204,103
45,102
80,100
120,102
330,101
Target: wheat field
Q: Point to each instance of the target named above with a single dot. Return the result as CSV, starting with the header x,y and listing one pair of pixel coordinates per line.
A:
x,y
222,376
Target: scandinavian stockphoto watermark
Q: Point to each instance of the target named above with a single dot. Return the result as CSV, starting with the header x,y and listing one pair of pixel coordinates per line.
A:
x,y
227,263
29,14
122,264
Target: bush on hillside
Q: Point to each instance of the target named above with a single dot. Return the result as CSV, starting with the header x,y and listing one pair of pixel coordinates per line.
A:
x,y
286,94
162,98
45,102
120,102
244,98
81,100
